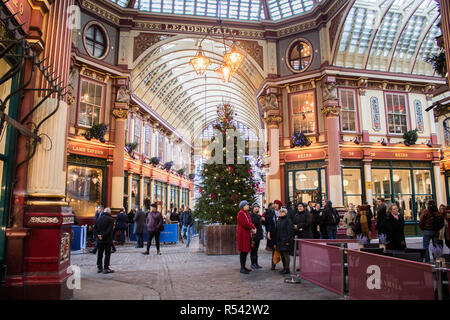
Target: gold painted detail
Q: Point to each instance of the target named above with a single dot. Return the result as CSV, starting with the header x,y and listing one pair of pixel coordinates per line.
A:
x,y
273,119
331,111
44,220
65,248
120,113
100,11
296,28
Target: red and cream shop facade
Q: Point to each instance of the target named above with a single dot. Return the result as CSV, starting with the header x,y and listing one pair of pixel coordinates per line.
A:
x,y
90,167
405,175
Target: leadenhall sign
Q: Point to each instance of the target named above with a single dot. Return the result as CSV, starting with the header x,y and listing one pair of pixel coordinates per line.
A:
x,y
189,28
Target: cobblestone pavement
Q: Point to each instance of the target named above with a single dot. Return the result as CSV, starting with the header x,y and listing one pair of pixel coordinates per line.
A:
x,y
182,273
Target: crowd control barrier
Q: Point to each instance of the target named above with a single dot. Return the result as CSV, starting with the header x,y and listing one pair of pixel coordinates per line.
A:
x,y
79,238
376,277
360,275
169,235
322,265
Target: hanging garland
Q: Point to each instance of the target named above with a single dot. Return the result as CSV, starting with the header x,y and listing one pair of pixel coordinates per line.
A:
x,y
300,140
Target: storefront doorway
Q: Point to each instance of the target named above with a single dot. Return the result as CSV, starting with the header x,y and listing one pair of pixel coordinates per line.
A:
x,y
85,184
409,184
306,182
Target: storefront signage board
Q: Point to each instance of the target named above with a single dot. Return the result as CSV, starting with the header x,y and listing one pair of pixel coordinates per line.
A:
x,y
91,151
304,155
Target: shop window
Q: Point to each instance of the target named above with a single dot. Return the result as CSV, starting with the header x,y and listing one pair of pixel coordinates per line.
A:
x,y
397,113
303,113
135,191
90,103
84,189
148,139
348,110
446,125
299,56
96,41
137,133
352,186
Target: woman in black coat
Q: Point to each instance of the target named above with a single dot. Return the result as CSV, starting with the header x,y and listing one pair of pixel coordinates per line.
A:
x,y
256,220
284,236
302,223
394,227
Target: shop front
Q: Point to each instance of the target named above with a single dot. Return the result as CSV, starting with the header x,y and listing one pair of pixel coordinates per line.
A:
x,y
160,195
306,181
86,179
409,184
135,191
174,196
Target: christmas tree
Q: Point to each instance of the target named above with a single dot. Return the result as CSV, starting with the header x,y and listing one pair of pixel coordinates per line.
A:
x,y
225,184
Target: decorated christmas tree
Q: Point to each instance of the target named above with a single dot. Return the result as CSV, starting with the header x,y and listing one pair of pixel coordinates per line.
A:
x,y
224,185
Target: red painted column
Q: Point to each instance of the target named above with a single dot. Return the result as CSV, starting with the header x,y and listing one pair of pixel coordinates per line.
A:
x,y
120,114
331,112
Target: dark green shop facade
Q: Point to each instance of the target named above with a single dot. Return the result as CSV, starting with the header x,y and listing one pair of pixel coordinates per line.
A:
x,y
409,184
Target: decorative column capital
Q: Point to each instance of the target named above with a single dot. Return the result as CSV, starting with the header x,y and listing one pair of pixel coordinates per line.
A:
x,y
275,120
120,113
331,110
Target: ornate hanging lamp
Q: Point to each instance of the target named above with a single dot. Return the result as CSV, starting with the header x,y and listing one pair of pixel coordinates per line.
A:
x,y
200,63
233,58
225,72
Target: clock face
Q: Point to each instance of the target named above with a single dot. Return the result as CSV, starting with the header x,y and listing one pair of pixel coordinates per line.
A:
x,y
299,56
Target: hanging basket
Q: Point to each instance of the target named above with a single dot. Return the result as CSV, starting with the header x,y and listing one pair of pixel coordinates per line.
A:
x,y
97,131
410,137
300,140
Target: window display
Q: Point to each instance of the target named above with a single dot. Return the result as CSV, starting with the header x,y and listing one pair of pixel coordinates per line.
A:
x,y
303,113
352,186
84,189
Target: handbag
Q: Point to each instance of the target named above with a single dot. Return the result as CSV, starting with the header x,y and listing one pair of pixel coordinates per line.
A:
x,y
276,257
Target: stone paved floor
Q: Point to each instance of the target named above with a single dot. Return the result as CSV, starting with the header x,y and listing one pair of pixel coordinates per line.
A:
x,y
187,274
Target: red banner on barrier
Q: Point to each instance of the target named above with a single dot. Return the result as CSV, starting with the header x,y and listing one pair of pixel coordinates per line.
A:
x,y
448,278
321,265
377,277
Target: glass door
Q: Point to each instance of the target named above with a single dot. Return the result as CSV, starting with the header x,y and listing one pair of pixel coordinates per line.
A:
x,y
306,185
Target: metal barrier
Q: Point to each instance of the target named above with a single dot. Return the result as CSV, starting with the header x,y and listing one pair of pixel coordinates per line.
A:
x,y
79,238
361,275
169,235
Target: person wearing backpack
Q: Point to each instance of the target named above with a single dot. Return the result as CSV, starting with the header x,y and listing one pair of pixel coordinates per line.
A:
x,y
331,220
430,222
362,223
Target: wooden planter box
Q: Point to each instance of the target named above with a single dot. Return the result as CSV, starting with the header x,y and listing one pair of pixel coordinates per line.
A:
x,y
218,239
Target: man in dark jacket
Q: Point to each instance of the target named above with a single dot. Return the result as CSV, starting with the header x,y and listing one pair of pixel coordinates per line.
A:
x,y
284,236
121,225
302,223
266,220
381,215
186,224
331,220
256,238
139,227
154,225
103,230
98,213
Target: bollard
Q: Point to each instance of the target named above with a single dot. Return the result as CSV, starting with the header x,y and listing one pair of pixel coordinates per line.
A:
x,y
294,278
439,279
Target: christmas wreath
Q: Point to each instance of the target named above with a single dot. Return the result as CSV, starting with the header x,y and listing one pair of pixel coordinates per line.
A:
x,y
410,137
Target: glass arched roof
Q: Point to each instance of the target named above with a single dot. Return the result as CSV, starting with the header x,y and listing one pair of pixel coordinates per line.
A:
x,y
389,35
251,10
165,81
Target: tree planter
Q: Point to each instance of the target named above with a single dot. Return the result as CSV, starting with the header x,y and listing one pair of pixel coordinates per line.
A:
x,y
218,239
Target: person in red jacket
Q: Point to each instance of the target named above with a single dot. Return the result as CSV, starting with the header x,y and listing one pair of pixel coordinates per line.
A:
x,y
245,228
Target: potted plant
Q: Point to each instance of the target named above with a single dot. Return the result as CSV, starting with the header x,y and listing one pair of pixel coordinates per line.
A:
x,y
168,165
155,161
191,176
97,131
300,140
180,172
439,63
410,137
130,147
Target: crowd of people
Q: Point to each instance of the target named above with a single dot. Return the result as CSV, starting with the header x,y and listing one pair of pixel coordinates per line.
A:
x,y
106,228
278,224
320,221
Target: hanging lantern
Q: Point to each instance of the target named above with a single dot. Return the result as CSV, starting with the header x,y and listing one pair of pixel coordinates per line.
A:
x,y
233,58
226,73
200,63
